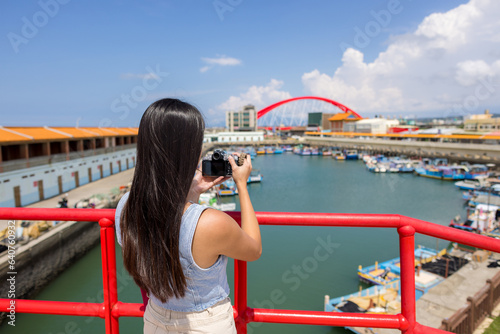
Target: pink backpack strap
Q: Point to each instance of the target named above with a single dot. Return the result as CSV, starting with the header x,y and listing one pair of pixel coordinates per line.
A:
x,y
145,298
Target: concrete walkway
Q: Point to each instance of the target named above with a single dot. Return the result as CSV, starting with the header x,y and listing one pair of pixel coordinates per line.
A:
x,y
102,186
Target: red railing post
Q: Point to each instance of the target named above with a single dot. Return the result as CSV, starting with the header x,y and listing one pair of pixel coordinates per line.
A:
x,y
240,295
407,261
110,292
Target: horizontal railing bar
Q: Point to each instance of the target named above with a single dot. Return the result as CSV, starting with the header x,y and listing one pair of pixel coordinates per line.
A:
x,y
327,318
323,219
376,221
121,309
53,307
453,234
83,215
421,329
283,218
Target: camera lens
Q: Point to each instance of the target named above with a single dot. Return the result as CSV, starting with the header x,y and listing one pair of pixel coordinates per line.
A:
x,y
216,155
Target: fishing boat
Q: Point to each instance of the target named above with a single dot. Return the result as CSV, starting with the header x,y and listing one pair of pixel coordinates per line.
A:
x,y
367,300
326,152
338,155
351,155
315,151
476,171
380,299
261,150
483,219
227,188
254,177
394,167
269,150
250,151
486,192
381,167
441,172
389,271
278,150
405,166
306,151
484,199
468,184
371,166
210,199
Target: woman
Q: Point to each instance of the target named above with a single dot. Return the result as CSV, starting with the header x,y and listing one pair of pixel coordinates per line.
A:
x,y
173,248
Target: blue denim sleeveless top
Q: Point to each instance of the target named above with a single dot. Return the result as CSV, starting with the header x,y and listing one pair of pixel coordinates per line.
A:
x,y
205,287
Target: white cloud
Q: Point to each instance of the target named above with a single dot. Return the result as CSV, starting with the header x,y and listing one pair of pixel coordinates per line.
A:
x,y
450,62
469,72
259,96
219,61
204,69
145,76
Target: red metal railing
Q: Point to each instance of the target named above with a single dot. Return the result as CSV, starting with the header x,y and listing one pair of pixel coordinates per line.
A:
x,y
112,309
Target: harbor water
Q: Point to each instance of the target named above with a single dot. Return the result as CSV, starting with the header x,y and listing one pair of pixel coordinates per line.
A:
x,y
299,265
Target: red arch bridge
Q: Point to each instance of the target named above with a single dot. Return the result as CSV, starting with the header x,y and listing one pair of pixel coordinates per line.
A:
x,y
293,112
112,309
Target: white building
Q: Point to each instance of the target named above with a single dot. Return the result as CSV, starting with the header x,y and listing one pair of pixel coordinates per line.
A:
x,y
371,125
226,137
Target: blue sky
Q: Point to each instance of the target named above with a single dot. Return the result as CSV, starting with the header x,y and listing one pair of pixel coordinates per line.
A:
x,y
101,63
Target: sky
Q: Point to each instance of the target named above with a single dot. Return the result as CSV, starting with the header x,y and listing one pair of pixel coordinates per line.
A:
x,y
101,63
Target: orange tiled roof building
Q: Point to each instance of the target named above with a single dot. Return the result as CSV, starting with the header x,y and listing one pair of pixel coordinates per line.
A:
x,y
337,121
25,143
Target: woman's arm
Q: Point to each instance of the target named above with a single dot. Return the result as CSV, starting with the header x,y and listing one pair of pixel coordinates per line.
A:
x,y
249,222
200,184
217,233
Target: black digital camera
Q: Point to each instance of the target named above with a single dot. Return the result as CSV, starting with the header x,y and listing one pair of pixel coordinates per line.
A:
x,y
217,163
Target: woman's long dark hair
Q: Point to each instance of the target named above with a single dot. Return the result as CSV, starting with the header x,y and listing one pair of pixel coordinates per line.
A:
x,y
168,149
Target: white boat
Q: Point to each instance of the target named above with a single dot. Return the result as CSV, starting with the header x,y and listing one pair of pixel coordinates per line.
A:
x,y
471,184
210,199
255,176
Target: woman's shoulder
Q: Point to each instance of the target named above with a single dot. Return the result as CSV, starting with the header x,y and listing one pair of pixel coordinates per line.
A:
x,y
120,205
118,212
212,215
215,223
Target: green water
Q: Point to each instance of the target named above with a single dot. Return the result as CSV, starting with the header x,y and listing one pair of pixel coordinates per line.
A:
x,y
295,270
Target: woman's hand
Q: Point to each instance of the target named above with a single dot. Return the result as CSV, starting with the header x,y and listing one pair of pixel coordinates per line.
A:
x,y
241,173
200,184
